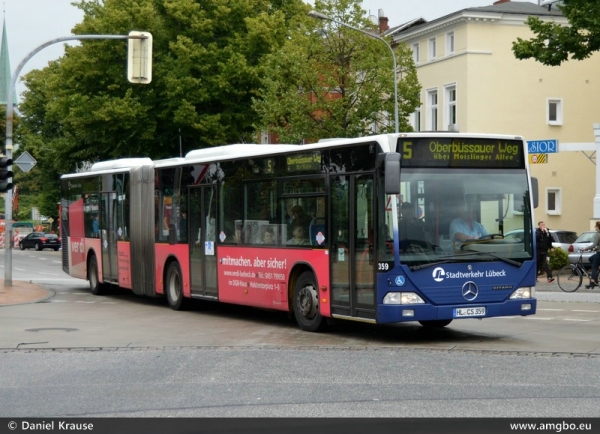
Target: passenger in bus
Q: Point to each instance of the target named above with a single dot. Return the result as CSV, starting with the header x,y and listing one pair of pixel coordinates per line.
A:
x,y
465,227
95,227
298,217
411,227
268,236
299,238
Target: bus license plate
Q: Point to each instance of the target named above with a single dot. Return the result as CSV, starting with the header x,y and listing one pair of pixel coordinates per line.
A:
x,y
469,311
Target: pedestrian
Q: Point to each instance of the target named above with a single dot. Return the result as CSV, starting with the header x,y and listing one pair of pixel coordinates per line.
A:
x,y
544,244
595,258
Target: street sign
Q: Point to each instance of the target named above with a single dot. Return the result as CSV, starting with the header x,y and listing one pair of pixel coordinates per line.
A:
x,y
538,158
25,162
542,146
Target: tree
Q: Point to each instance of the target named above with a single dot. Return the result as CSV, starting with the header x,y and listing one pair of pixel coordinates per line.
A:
x,y
206,58
331,81
553,43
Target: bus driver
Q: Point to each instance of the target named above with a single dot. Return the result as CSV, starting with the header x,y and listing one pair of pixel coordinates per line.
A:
x,y
465,227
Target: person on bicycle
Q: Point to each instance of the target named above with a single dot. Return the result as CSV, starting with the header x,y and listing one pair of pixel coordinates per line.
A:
x,y
595,258
544,243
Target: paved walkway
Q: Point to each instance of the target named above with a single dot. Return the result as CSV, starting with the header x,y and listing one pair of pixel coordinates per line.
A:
x,y
22,292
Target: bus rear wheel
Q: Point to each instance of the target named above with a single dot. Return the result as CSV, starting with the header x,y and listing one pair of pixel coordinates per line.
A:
x,y
96,287
306,304
174,287
435,324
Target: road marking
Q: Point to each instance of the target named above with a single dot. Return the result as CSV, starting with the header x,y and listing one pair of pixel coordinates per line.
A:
x,y
540,318
590,311
576,319
554,310
19,269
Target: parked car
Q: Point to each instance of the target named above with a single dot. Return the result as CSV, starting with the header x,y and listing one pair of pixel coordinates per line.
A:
x,y
40,241
560,238
584,241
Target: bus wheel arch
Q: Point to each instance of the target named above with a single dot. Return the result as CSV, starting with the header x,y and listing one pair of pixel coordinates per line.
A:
x,y
173,286
304,299
93,275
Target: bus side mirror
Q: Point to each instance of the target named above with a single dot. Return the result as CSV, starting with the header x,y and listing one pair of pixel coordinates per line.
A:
x,y
392,173
534,192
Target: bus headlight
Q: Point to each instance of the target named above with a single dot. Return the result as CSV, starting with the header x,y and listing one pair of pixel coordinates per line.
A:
x,y
402,298
525,292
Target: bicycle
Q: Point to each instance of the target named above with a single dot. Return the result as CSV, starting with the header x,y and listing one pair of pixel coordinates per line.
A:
x,y
570,277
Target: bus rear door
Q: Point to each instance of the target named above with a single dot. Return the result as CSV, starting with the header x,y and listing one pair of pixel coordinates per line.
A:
x,y
203,259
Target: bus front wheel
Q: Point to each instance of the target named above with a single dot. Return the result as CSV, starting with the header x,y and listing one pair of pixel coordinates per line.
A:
x,y
174,287
435,324
306,304
96,287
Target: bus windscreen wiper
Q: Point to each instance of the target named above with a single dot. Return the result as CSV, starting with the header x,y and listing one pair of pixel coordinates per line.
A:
x,y
470,253
493,255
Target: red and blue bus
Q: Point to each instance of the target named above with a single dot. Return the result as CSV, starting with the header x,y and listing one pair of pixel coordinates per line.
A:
x,y
366,229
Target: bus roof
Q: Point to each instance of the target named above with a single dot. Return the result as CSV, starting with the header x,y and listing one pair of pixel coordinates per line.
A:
x,y
122,163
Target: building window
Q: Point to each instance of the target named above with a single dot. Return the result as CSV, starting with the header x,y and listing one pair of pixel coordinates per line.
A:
x,y
449,43
450,111
553,201
432,49
415,52
416,119
432,108
554,110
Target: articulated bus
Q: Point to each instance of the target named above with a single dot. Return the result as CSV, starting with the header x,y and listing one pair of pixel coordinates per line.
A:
x,y
369,229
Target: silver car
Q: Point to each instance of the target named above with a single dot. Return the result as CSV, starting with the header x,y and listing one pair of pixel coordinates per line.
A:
x,y
584,241
560,238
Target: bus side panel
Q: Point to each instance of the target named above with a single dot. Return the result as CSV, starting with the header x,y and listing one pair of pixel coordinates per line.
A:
x,y
259,277
77,249
163,253
124,264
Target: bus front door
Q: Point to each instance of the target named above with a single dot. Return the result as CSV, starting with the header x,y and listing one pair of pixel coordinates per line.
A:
x,y
108,237
353,249
203,259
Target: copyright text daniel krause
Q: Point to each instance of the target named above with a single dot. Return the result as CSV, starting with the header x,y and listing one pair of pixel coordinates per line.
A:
x,y
55,425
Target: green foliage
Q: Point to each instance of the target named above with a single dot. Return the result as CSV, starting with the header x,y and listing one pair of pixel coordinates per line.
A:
x,y
206,69
558,258
553,43
329,80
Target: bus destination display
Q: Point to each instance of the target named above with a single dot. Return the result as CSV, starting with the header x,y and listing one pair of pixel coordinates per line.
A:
x,y
461,152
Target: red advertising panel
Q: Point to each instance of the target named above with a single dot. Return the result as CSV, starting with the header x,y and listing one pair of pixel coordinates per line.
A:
x,y
259,277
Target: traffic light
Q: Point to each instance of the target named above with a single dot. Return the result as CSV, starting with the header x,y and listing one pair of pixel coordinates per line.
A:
x,y
5,174
139,58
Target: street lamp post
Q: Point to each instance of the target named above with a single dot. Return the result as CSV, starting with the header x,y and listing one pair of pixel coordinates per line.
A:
x,y
8,197
320,16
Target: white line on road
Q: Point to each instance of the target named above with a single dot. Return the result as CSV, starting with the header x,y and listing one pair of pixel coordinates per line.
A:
x,y
576,319
554,310
581,310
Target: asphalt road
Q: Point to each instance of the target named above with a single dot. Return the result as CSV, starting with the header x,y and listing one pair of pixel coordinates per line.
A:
x,y
120,355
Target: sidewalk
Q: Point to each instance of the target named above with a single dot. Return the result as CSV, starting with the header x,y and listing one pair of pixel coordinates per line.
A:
x,y
21,292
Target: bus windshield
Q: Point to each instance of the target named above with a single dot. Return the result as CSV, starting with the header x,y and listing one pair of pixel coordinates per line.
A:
x,y
460,214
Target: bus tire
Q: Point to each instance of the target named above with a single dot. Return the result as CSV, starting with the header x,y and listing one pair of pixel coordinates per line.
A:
x,y
435,324
174,287
306,304
93,276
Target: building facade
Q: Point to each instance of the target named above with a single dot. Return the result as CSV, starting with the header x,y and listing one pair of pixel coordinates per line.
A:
x,y
471,82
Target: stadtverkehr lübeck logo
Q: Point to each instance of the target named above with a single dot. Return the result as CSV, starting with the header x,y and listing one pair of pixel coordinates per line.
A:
x,y
440,274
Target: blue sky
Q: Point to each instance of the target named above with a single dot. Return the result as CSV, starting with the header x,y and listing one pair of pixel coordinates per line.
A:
x,y
31,23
